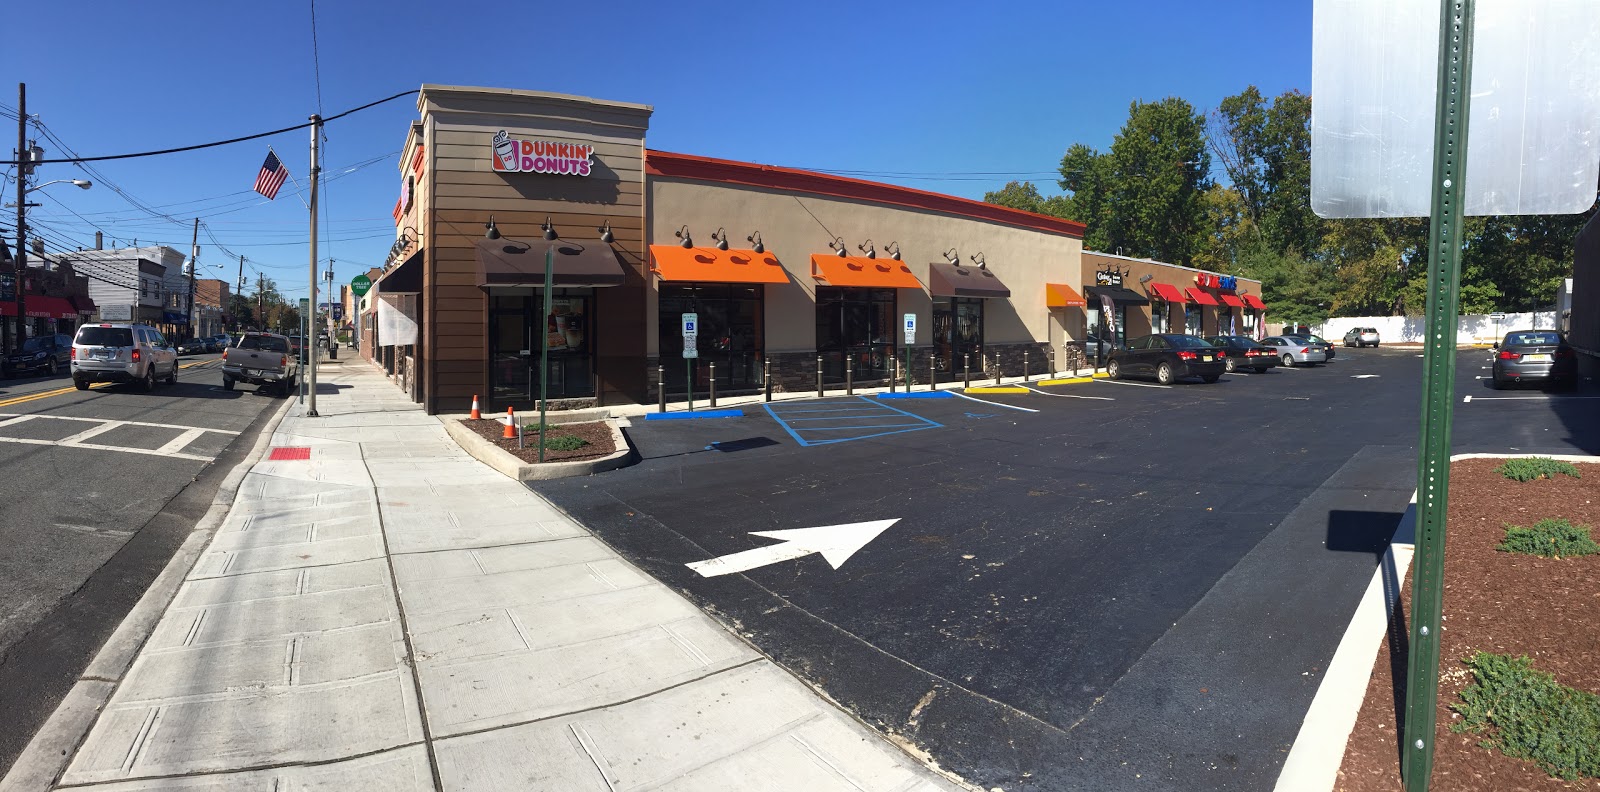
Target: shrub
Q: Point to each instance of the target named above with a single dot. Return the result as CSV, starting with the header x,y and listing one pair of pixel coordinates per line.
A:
x,y
564,443
1527,714
1532,468
1551,539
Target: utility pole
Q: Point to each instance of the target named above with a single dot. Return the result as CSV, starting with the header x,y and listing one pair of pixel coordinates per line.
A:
x,y
24,166
261,302
311,305
194,264
241,288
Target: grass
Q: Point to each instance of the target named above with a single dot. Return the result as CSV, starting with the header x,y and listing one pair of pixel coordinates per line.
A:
x,y
1527,714
1536,468
1551,539
564,443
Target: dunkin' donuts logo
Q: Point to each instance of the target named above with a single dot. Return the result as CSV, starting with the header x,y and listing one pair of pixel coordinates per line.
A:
x,y
516,155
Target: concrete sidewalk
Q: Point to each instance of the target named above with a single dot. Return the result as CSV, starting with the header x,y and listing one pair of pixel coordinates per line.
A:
x,y
389,614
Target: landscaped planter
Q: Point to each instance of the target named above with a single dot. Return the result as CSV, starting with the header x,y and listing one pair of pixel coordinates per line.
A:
x,y
559,464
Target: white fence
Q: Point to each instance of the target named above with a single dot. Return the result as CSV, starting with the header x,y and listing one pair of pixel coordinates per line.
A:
x,y
1470,329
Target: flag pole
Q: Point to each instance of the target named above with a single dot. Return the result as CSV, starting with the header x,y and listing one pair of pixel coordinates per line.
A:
x,y
311,305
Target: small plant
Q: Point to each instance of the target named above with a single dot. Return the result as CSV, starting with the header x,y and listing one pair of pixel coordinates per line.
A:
x,y
533,428
565,443
1532,468
1527,714
1551,539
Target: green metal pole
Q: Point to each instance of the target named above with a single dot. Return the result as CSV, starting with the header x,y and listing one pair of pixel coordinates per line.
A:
x,y
908,368
1438,389
544,342
688,377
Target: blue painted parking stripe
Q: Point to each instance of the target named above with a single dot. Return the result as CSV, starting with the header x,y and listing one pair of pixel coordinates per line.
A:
x,y
679,416
830,409
918,395
874,426
913,415
859,417
854,414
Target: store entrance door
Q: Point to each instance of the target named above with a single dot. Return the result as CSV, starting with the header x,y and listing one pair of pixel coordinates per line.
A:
x,y
957,336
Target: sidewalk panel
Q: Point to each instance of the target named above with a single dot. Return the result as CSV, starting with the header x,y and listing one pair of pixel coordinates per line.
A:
x,y
402,770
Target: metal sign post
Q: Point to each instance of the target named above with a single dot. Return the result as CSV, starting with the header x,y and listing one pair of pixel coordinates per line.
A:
x,y
691,352
910,325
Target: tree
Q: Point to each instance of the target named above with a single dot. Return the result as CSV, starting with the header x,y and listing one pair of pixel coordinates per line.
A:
x,y
1229,230
1017,195
1265,150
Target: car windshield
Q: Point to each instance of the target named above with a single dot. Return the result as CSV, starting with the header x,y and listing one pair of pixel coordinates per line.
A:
x,y
1186,342
1315,339
1533,339
106,336
34,345
263,343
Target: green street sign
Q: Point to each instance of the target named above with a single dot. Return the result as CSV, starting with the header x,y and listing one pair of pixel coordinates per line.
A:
x,y
360,284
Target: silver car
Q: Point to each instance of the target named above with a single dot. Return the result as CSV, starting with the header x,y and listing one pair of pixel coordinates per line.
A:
x,y
133,353
1294,350
1361,336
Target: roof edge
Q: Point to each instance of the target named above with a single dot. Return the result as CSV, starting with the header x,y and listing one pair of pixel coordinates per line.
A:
x,y
509,93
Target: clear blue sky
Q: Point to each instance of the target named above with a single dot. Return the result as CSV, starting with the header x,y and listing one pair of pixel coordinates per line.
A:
x,y
923,88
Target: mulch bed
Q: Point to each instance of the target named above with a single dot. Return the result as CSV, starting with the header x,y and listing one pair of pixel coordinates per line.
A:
x,y
1497,602
596,432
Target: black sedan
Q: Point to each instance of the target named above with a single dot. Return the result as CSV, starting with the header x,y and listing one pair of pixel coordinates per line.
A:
x,y
50,354
1245,352
1167,356
193,346
1540,356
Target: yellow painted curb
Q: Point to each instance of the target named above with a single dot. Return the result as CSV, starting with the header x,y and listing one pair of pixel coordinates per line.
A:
x,y
1100,375
1006,389
1067,381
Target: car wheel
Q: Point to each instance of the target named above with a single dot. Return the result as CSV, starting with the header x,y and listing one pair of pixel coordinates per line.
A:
x,y
1261,369
172,377
1494,382
1209,378
148,383
1228,365
1114,370
1288,360
80,384
1164,373
227,383
55,367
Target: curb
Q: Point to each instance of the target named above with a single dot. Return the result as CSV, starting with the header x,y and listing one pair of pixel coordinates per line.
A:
x,y
52,748
513,468
689,415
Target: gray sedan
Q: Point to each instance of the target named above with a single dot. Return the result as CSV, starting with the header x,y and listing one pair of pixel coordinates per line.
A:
x,y
1294,350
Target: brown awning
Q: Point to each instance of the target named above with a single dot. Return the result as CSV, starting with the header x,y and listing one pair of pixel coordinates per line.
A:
x,y
502,262
950,280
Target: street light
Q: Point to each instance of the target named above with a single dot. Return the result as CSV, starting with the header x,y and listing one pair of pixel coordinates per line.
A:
x,y
19,281
79,183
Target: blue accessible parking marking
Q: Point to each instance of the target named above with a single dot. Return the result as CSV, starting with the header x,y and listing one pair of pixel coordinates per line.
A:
x,y
825,422
693,414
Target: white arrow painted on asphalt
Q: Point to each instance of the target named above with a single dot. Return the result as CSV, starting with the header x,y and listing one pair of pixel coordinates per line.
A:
x,y
836,543
1362,376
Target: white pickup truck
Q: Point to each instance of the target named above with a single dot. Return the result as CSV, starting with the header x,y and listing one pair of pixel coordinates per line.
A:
x,y
262,360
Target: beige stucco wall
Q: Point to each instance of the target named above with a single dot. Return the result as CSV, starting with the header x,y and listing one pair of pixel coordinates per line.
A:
x,y
792,226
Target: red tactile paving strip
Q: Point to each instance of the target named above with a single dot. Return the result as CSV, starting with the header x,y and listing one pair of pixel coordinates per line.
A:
x,y
287,453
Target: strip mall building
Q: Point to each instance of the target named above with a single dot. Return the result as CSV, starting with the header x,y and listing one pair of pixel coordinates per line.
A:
x,y
780,266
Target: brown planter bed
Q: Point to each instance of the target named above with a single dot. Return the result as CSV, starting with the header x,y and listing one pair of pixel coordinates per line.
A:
x,y
1496,602
596,432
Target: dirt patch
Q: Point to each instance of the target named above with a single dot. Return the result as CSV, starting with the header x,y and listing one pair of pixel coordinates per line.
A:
x,y
1496,602
597,433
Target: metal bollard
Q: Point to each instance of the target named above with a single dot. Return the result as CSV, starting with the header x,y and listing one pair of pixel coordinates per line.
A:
x,y
997,368
1050,359
933,378
1024,365
894,376
966,370
819,375
712,396
661,385
766,379
849,376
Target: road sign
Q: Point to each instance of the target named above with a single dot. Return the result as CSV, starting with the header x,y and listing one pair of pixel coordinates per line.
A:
x,y
911,328
360,284
836,543
1497,316
691,335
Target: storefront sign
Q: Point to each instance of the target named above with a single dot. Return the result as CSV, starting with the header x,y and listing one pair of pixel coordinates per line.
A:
x,y
691,335
1229,283
1108,278
360,284
116,313
519,155
911,328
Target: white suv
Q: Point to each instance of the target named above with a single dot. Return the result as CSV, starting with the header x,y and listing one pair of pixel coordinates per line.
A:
x,y
122,353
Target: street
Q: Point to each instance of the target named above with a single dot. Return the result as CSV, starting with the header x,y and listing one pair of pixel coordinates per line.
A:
x,y
1119,585
102,486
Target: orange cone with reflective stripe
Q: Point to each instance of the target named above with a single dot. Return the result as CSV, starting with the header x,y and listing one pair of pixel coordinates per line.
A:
x,y
476,416
510,432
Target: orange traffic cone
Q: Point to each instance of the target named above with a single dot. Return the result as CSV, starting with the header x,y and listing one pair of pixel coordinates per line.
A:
x,y
510,432
476,416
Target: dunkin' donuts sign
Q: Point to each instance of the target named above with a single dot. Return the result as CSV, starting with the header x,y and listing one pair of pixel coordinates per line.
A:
x,y
517,155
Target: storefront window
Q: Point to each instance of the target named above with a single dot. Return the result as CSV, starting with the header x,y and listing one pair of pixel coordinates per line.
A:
x,y
730,334
1160,316
957,334
856,325
1191,319
514,345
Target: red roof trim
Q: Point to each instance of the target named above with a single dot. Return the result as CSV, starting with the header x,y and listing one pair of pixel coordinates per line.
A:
x,y
687,166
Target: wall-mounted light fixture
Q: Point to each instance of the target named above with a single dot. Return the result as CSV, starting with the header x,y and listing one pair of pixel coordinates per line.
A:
x,y
894,250
721,235
1146,278
755,238
606,237
978,260
493,232
838,246
866,247
549,229
952,256
683,234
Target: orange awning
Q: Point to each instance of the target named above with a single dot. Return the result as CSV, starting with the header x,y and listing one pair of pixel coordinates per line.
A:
x,y
710,265
1232,300
1254,301
1060,295
831,270
1201,298
1168,292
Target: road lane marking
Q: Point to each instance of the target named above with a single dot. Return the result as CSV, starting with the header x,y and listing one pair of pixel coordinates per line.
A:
x,y
90,432
1071,396
178,443
1134,384
180,427
995,403
95,447
95,386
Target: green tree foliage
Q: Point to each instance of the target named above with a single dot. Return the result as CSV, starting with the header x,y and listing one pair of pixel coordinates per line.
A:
x,y
1017,195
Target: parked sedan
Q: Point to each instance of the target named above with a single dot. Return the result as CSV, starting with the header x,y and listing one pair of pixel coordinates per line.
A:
x,y
193,346
1295,350
49,354
1167,356
1361,337
1316,340
1535,356
1245,352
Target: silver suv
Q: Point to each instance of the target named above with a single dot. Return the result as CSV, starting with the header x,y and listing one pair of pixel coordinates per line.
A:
x,y
122,353
1361,336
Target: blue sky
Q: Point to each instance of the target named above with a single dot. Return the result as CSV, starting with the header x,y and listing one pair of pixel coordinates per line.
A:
x,y
927,88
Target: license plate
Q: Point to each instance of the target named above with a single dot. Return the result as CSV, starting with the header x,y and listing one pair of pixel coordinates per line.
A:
x,y
1537,358
1207,358
253,372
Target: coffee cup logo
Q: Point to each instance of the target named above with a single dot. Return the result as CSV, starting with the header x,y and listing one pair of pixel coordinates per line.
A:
x,y
505,152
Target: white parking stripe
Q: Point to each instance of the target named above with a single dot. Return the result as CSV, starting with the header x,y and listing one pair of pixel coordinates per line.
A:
x,y
14,421
1069,395
997,404
124,423
88,433
178,443
97,447
1134,384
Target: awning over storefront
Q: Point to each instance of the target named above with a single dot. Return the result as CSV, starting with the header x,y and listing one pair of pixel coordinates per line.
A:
x,y
1117,294
1229,299
1168,292
1060,295
950,280
505,263
710,265
85,306
42,308
404,278
876,273
1200,297
1254,301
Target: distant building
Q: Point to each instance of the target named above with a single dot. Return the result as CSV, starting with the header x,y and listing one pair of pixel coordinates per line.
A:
x,y
130,284
212,296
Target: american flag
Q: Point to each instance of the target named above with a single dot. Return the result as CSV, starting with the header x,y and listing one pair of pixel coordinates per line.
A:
x,y
271,176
